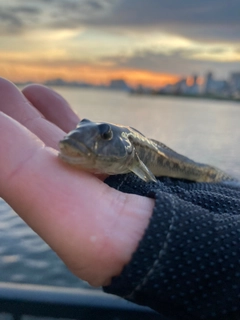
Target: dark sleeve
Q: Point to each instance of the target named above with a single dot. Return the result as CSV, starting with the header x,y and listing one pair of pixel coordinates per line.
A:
x,y
187,266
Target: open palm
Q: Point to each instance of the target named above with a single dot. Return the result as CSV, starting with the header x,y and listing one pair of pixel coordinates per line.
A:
x,y
93,228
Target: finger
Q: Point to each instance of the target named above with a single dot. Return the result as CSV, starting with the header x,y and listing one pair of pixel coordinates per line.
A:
x,y
93,228
15,104
52,106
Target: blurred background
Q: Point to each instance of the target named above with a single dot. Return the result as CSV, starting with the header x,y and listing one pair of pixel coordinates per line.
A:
x,y
170,68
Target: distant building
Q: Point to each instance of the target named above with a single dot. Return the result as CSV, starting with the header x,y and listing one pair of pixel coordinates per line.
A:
x,y
118,84
55,82
60,83
208,81
168,89
185,86
195,78
180,87
193,88
235,79
215,87
235,84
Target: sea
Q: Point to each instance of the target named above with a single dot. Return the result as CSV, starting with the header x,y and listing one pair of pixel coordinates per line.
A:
x,y
207,131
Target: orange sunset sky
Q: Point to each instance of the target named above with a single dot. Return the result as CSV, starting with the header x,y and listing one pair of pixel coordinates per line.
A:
x,y
143,42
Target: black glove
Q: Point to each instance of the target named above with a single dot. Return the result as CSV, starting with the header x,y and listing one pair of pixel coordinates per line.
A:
x,y
187,265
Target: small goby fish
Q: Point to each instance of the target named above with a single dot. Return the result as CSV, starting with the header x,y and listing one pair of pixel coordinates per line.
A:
x,y
108,148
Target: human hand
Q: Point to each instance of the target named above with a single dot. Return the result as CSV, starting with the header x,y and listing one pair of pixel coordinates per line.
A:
x,y
93,228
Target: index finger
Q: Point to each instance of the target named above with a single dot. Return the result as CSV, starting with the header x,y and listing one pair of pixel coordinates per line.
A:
x,y
15,105
53,106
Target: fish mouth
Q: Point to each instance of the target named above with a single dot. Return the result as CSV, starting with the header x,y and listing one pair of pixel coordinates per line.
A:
x,y
73,152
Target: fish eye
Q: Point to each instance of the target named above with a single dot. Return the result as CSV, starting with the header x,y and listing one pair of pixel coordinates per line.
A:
x,y
105,131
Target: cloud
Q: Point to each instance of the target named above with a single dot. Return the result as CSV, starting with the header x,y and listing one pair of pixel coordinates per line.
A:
x,y
25,10
178,62
14,19
203,20
187,12
9,23
42,14
77,13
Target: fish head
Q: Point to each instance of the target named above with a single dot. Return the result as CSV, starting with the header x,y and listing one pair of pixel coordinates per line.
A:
x,y
98,147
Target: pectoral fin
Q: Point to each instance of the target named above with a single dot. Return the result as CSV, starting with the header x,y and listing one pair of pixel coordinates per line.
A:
x,y
142,171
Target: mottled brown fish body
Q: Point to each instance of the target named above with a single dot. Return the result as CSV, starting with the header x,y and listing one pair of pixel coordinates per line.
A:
x,y
114,149
163,161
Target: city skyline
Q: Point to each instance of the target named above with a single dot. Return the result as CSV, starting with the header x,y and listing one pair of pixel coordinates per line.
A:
x,y
152,42
191,86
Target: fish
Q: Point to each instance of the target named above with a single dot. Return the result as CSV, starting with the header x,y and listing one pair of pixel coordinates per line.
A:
x,y
106,148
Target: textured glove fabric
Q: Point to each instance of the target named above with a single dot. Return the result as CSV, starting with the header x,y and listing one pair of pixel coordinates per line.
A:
x,y
187,266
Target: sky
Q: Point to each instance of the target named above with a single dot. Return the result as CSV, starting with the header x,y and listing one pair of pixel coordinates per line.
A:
x,y
149,42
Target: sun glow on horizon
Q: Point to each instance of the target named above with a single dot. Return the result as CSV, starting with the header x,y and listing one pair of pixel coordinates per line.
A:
x,y
86,73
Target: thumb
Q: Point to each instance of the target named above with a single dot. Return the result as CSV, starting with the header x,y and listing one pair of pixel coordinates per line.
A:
x,y
93,228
